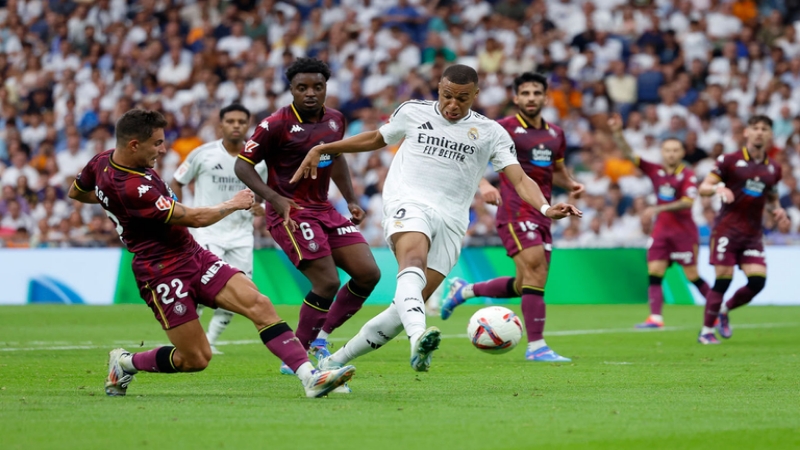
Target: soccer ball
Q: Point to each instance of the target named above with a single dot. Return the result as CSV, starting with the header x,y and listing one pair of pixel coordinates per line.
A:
x,y
494,330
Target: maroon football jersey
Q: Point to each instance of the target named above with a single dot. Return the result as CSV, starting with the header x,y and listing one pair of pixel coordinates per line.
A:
x,y
140,204
751,183
538,149
283,140
671,187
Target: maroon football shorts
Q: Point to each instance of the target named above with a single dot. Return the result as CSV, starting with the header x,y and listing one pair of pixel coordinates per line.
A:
x,y
174,296
679,248
317,233
522,234
729,248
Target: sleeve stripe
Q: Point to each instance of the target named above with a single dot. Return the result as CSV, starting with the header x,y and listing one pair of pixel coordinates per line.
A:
x,y
247,159
560,160
171,209
712,173
78,187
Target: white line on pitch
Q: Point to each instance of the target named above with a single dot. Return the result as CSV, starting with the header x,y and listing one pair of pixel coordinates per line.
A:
x,y
88,345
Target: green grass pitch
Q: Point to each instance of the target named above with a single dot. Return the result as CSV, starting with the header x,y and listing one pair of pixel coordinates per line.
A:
x,y
623,390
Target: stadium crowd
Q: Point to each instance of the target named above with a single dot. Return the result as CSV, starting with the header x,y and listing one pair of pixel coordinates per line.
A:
x,y
690,69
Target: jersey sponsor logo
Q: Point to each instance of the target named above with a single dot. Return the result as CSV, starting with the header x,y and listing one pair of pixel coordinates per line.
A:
x,y
143,189
346,230
325,160
520,130
212,271
541,156
754,253
686,257
163,203
666,193
754,187
445,148
473,134
334,126
264,124
425,126
250,146
296,129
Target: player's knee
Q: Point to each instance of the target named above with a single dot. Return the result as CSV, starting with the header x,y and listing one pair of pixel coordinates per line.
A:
x,y
721,285
197,361
369,278
756,283
327,287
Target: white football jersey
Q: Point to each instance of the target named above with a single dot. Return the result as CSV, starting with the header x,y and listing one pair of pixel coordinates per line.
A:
x,y
440,163
211,166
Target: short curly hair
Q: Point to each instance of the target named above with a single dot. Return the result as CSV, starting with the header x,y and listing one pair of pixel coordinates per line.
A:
x,y
307,65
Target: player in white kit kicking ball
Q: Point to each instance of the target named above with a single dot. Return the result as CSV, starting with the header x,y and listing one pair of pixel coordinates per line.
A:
x,y
426,197
211,166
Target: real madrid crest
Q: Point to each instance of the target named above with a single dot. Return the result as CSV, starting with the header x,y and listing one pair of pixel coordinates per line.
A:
x,y
473,134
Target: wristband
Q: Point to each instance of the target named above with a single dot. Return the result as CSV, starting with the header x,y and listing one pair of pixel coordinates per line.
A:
x,y
544,209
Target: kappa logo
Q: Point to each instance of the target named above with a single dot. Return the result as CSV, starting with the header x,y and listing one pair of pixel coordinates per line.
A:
x,y
296,129
163,203
264,124
143,189
425,126
250,146
218,167
741,163
520,130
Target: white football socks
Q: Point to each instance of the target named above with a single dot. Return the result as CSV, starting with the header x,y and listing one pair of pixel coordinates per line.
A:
x,y
468,291
707,330
218,323
305,371
657,318
536,345
322,335
723,309
378,331
408,301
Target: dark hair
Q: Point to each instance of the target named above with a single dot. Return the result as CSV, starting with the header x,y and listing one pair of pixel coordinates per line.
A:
x,y
530,77
760,119
461,74
307,65
138,124
233,107
674,139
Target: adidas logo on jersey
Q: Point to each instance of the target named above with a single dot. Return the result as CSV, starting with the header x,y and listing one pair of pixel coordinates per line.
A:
x,y
425,126
218,167
520,130
296,129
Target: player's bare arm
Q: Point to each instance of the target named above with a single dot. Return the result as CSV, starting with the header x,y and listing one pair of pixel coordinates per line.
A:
x,y
615,124
362,142
282,205
340,174
529,191
82,196
712,185
778,213
489,193
177,188
209,215
564,180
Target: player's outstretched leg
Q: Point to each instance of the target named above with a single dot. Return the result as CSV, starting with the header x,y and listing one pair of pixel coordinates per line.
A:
x,y
219,322
655,298
373,335
241,296
357,261
534,313
460,291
